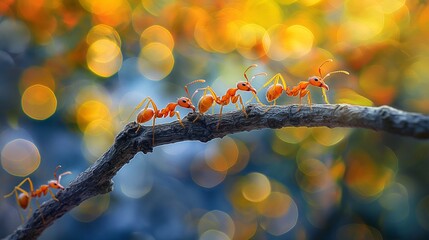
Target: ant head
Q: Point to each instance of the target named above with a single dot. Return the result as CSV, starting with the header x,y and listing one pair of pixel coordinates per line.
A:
x,y
54,184
318,82
246,86
185,103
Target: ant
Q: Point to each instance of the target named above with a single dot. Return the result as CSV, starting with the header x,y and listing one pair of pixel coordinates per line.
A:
x,y
148,113
275,90
207,101
23,198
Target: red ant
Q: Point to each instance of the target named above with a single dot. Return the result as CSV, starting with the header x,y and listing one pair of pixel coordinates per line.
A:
x,y
275,90
23,198
148,113
207,101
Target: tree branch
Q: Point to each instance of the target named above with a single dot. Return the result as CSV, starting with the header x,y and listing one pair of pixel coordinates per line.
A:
x,y
97,179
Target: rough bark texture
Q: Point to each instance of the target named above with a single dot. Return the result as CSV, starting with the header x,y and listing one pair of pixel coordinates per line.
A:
x,y
97,179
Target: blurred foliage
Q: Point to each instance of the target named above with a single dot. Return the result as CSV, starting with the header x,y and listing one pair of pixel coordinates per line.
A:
x,y
72,72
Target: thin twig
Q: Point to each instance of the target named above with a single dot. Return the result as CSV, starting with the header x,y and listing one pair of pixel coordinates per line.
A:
x,y
97,179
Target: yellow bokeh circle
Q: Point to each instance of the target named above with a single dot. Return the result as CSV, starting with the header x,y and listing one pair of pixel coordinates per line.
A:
x,y
20,157
156,33
104,57
256,187
39,102
289,41
156,61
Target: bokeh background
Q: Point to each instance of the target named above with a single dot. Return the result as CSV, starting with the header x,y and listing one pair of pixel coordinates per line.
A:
x,y
71,73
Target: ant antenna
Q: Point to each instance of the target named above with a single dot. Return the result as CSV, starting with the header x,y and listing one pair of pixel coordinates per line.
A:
x,y
62,174
195,81
55,172
258,74
330,73
251,66
321,65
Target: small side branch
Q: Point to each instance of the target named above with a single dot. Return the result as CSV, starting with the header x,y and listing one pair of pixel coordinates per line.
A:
x,y
97,179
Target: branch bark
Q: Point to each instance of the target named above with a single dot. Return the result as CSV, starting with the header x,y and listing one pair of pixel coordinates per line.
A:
x,y
97,179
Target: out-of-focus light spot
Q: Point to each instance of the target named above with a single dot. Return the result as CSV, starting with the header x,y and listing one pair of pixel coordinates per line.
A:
x,y
364,176
15,36
329,136
5,6
98,136
242,160
283,148
361,230
395,200
156,33
362,22
349,96
156,7
156,61
104,57
293,135
213,235
256,187
337,170
39,102
29,9
20,157
103,31
309,2
422,212
219,221
265,13
251,42
204,176
121,16
218,33
137,181
289,41
90,111
390,6
313,175
91,209
245,227
280,225
375,84
222,154
275,205
286,2
416,85
37,75
101,7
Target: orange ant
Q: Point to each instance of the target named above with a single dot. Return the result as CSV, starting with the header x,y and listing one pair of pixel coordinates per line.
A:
x,y
207,101
23,198
275,90
148,113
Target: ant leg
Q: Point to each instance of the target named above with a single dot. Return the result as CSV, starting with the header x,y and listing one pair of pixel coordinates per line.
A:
x,y
300,100
324,96
53,195
138,106
153,131
242,105
220,117
198,116
309,99
235,99
40,210
178,118
274,103
21,216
